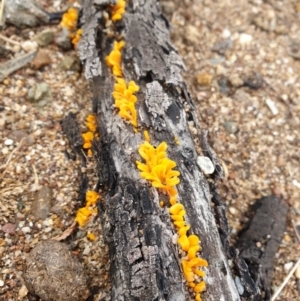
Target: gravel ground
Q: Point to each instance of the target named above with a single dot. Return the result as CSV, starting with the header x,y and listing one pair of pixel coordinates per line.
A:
x,y
242,68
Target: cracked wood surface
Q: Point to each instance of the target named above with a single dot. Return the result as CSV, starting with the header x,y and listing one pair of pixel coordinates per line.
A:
x,y
145,262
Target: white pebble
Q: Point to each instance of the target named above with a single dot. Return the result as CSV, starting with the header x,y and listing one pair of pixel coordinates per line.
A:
x,y
9,142
29,46
245,39
232,210
288,266
26,230
1,283
205,165
226,33
5,150
272,106
23,291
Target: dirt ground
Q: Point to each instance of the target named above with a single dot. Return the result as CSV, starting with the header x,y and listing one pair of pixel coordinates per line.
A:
x,y
242,63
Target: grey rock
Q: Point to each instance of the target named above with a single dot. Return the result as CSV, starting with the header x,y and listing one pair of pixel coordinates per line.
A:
x,y
44,38
63,39
53,273
40,93
41,205
22,13
230,127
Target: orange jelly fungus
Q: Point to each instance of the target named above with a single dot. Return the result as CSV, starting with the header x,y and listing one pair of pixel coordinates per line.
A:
x,y
91,236
159,170
114,59
69,19
123,93
83,214
89,136
118,10
77,37
125,100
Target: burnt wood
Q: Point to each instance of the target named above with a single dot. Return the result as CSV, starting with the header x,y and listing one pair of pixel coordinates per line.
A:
x,y
145,261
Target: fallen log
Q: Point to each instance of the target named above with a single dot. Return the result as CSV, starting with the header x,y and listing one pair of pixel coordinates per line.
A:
x,y
145,258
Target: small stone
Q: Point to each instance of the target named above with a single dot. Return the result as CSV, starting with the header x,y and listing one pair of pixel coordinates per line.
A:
x,y
26,230
63,39
23,291
192,34
235,80
44,38
204,79
245,39
42,59
297,272
205,165
8,142
272,106
41,205
230,127
288,266
29,46
5,150
70,63
232,210
9,228
1,282
29,140
50,267
40,93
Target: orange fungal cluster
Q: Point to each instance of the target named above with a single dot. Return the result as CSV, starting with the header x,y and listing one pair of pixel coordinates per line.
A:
x,y
123,93
83,214
90,134
69,21
118,10
159,170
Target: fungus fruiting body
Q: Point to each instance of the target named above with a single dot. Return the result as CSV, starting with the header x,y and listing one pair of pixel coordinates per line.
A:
x,y
69,21
90,134
118,10
83,214
159,170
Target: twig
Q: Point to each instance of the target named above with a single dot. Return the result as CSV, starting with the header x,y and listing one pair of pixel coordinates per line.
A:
x,y
286,280
6,39
1,10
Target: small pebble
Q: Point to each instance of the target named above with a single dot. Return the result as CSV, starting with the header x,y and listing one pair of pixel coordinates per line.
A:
x,y
29,46
44,38
23,291
231,127
9,142
232,210
272,106
26,230
1,283
245,39
288,266
204,79
205,165
9,228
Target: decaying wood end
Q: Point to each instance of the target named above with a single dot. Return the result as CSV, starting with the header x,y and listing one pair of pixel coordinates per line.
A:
x,y
144,253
